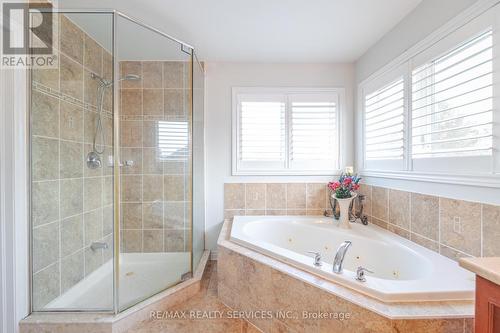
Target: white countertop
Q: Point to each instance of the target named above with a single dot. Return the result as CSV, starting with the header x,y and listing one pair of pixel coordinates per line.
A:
x,y
487,268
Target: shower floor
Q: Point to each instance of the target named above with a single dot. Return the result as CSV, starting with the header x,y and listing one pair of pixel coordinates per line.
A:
x,y
141,275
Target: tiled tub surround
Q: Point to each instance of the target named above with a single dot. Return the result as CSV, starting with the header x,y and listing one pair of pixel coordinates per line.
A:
x,y
454,228
156,189
250,281
71,204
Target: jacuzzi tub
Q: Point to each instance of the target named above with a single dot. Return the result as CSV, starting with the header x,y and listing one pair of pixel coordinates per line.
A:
x,y
403,271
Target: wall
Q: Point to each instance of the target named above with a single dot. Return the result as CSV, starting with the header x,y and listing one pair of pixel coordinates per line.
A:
x,y
220,78
156,198
71,204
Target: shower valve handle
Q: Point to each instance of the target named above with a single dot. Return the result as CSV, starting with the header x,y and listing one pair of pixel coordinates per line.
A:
x,y
317,258
127,163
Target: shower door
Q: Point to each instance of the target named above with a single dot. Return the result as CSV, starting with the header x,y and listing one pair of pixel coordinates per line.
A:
x,y
155,130
71,117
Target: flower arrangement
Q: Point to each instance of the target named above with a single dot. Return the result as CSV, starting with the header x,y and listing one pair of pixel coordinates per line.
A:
x,y
346,184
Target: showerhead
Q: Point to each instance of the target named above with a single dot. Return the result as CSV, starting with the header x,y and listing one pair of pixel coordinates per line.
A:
x,y
105,83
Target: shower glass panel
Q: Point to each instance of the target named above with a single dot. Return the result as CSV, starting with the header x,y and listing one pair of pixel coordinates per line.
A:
x,y
155,126
198,161
71,117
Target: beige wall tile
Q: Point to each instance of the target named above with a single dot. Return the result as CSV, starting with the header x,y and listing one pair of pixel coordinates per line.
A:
x,y
398,231
92,193
255,212
71,122
45,158
131,133
71,197
296,196
451,253
461,225
152,162
173,102
366,190
174,215
380,203
131,154
107,220
491,231
296,212
72,270
44,115
150,134
230,213
45,245
131,188
276,196
71,39
92,56
174,240
89,126
92,222
152,100
93,260
152,72
315,196
90,87
71,159
131,102
71,235
314,212
131,241
130,67
45,202
399,208
152,188
425,242
174,188
425,215
234,196
255,196
152,213
152,240
173,74
71,77
46,285
131,215
378,222
46,77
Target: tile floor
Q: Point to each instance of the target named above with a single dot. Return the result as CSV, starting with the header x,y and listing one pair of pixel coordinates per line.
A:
x,y
205,300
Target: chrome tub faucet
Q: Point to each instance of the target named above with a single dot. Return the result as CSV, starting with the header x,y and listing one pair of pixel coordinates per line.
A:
x,y
339,256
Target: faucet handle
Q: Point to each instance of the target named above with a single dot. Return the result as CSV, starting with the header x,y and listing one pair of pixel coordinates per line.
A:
x,y
317,258
360,273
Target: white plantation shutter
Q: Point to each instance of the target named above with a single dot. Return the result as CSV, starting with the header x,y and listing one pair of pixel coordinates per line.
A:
x,y
173,140
314,131
285,132
452,108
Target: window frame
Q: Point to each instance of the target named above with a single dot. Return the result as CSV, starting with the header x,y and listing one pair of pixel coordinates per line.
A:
x,y
238,170
468,25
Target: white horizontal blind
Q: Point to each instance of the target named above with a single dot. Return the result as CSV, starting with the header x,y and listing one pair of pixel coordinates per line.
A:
x,y
452,102
286,132
262,131
384,122
314,130
173,140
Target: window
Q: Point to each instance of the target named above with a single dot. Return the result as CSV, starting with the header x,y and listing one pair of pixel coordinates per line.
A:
x,y
173,140
435,114
452,107
286,131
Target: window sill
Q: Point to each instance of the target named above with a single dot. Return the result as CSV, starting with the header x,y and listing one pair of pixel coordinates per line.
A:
x,y
482,180
329,173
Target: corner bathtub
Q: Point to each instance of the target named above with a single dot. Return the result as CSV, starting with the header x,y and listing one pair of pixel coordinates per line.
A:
x,y
403,271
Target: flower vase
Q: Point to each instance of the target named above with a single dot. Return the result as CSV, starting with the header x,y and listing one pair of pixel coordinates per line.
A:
x,y
344,205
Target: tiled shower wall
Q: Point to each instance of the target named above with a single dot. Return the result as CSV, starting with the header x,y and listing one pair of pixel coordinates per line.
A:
x,y
451,227
454,228
156,189
71,204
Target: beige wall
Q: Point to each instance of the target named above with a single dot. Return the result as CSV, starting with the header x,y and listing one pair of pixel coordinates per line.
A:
x,y
156,198
71,204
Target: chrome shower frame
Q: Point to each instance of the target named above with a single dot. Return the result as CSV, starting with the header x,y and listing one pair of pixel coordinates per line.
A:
x,y
184,47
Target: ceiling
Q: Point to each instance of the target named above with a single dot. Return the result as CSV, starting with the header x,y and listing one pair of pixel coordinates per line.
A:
x,y
260,30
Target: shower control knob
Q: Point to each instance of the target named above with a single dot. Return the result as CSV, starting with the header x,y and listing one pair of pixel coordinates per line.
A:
x,y
317,258
127,163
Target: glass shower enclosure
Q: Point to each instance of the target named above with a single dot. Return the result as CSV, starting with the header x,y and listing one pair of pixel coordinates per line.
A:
x,y
117,165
